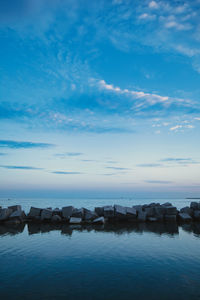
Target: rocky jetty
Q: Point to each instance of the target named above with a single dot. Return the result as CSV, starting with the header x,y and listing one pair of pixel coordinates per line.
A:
x,y
151,213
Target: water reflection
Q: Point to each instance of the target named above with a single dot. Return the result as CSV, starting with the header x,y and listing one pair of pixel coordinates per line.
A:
x,y
169,229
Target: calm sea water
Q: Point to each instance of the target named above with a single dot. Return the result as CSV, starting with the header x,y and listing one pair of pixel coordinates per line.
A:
x,y
141,261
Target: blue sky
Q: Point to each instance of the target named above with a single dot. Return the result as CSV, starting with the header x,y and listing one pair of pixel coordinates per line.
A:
x,y
100,96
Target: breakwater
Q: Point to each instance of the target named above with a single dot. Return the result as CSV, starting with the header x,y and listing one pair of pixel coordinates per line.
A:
x,y
147,213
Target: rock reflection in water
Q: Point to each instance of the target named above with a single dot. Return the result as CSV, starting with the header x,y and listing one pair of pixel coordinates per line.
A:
x,y
169,229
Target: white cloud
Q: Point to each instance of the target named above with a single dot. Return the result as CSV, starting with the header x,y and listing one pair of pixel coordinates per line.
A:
x,y
151,98
176,127
153,4
197,118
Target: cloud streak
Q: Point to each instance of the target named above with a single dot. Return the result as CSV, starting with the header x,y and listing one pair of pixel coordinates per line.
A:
x,y
66,173
19,167
22,145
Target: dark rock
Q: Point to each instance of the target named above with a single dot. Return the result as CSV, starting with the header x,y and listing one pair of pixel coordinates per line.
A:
x,y
18,214
137,207
166,204
149,211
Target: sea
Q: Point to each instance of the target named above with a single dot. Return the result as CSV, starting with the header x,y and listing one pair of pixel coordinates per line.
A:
x,y
135,261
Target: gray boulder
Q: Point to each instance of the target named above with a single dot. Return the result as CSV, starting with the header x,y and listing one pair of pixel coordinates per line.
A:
x,y
99,220
67,212
5,213
75,220
46,214
15,207
57,211
170,218
108,211
197,215
184,217
56,218
142,216
99,211
34,212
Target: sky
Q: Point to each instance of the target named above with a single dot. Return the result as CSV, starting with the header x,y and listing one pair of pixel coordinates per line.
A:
x,y
99,97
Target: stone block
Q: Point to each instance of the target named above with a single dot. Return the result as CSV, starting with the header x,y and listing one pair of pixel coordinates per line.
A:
x,y
67,212
46,214
56,218
89,215
18,214
119,211
99,211
34,212
187,210
15,207
78,213
170,210
149,211
131,212
142,216
194,205
184,217
137,207
99,220
5,213
170,218
167,204
197,215
75,220
108,211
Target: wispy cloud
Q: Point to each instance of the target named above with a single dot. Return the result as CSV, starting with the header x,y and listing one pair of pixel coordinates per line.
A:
x,y
20,167
158,181
66,173
3,154
71,154
118,168
153,165
19,144
179,160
